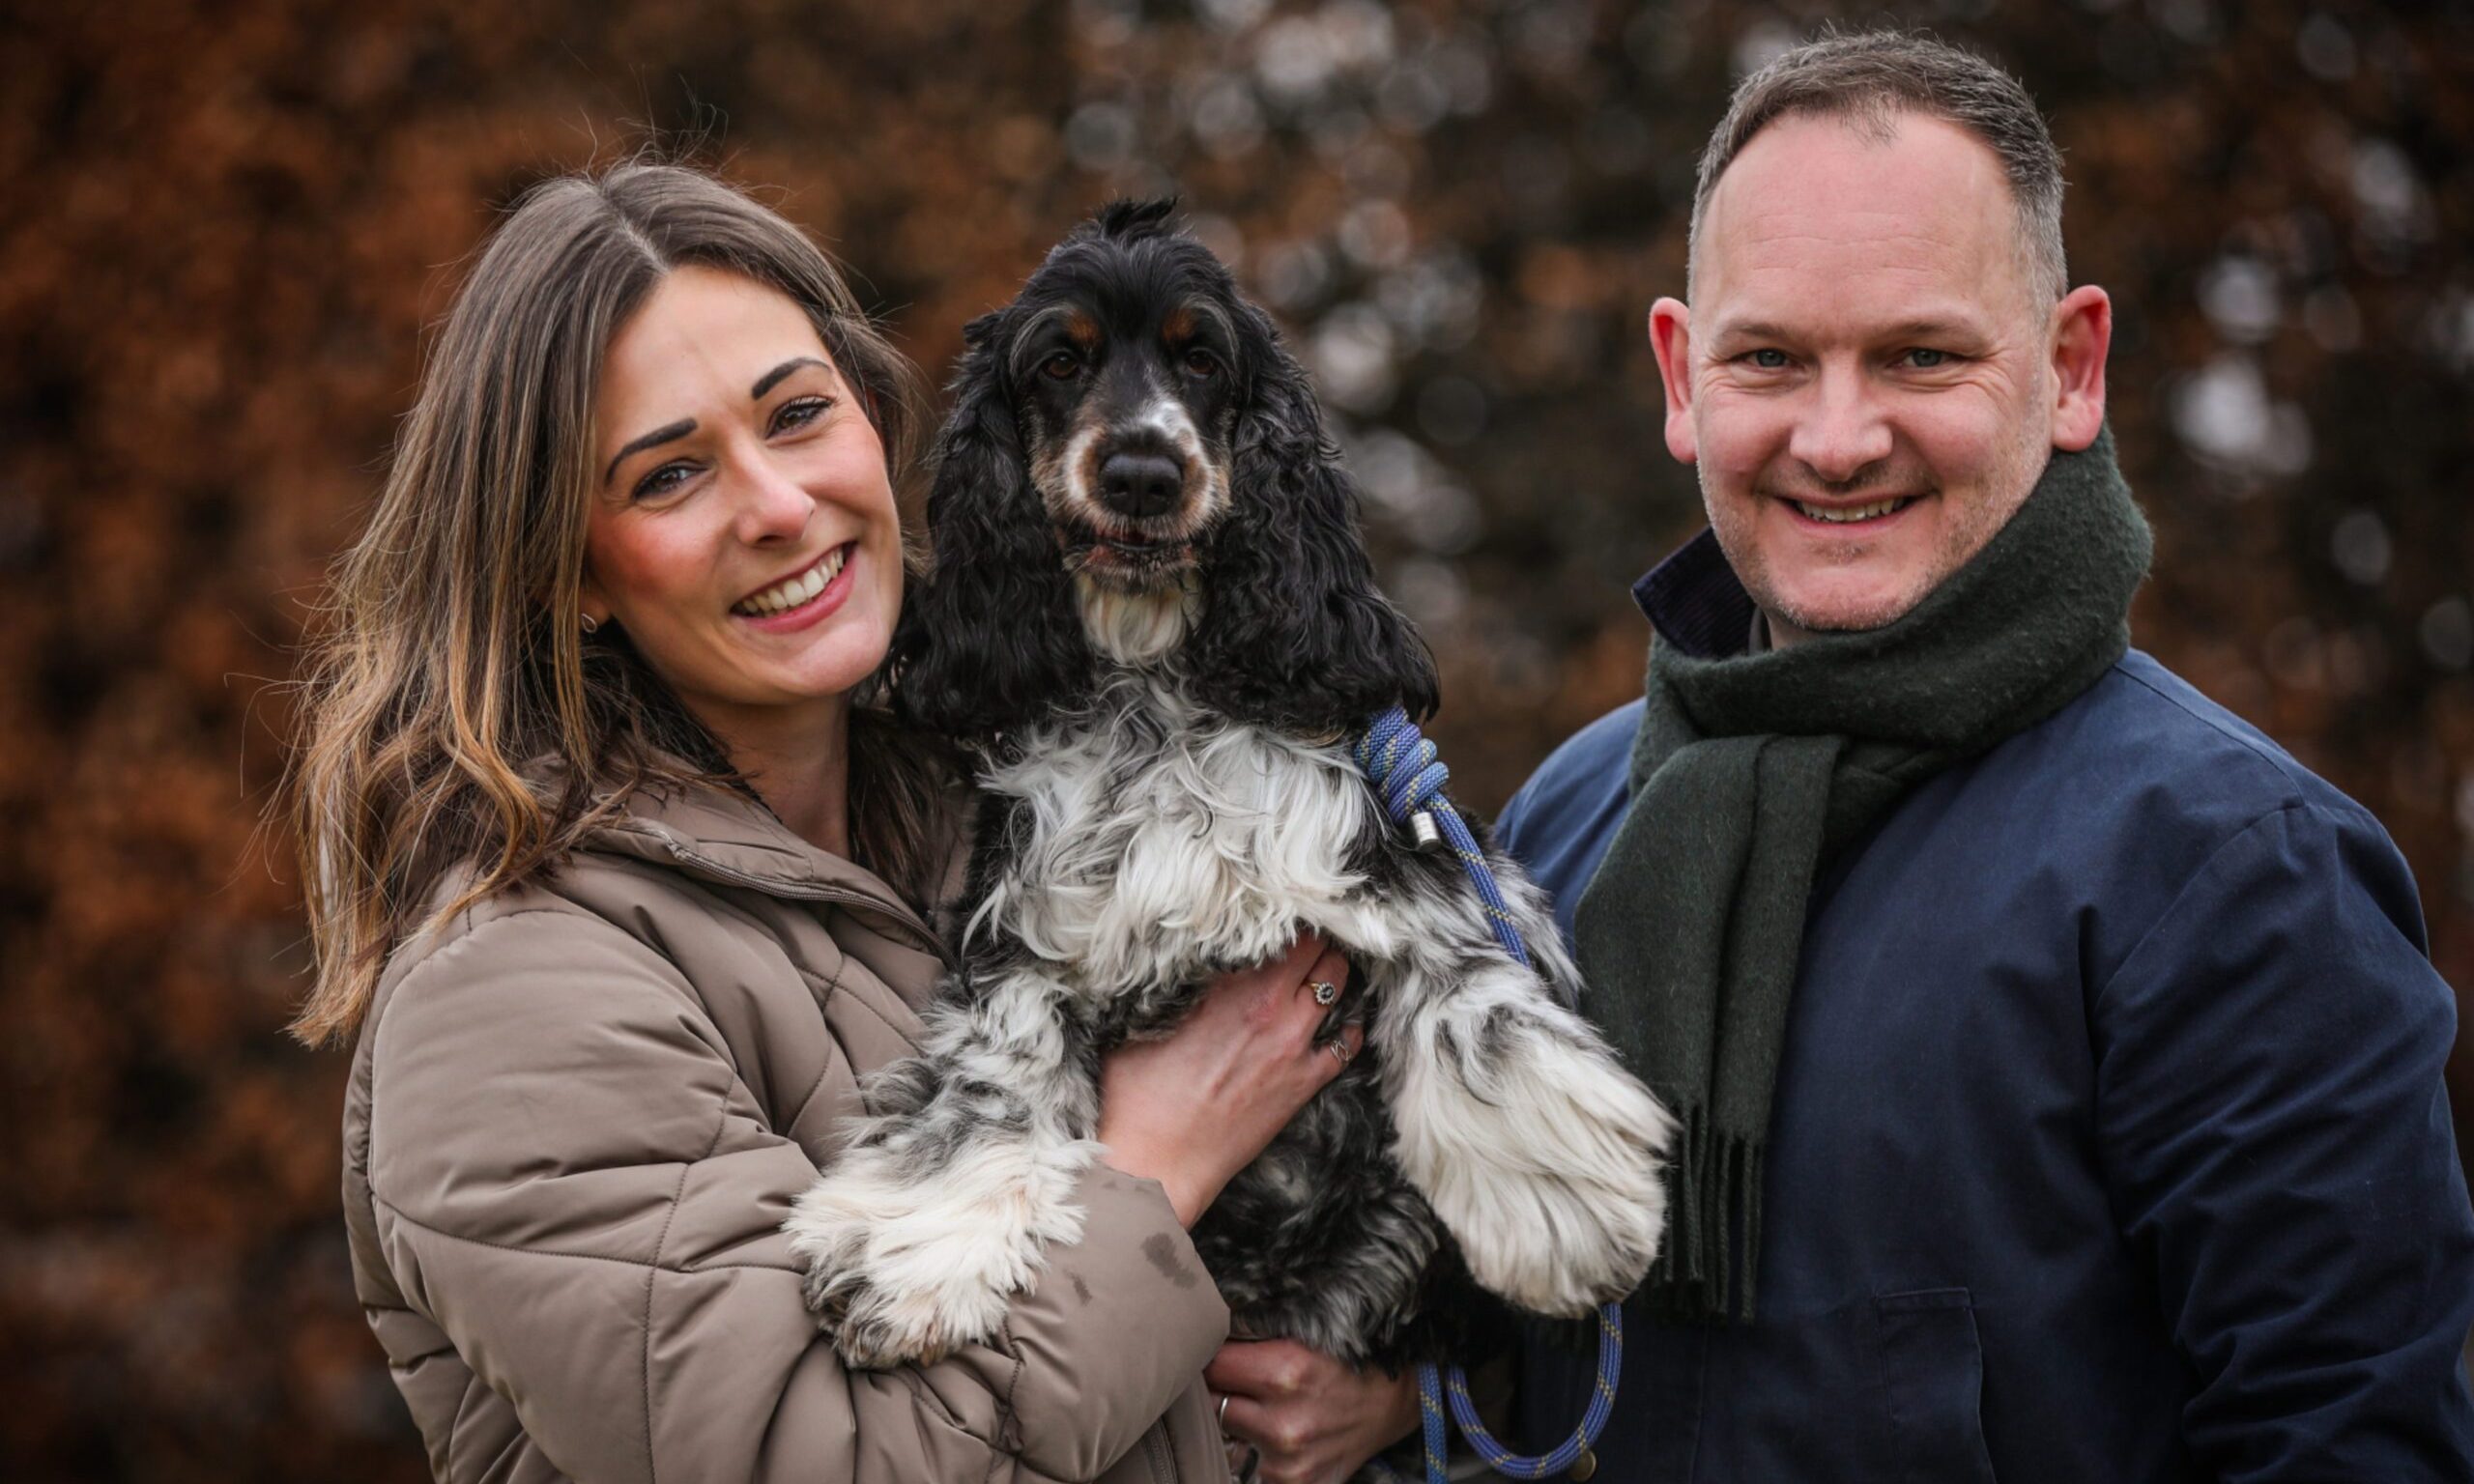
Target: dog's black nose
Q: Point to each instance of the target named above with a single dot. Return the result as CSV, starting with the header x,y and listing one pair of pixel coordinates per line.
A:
x,y
1135,485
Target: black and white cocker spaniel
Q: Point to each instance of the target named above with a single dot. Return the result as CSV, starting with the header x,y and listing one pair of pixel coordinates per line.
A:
x,y
1153,619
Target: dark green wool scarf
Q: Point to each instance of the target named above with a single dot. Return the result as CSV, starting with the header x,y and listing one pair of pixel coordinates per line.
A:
x,y
1751,770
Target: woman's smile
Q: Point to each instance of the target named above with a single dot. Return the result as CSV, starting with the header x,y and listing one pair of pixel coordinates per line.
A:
x,y
805,596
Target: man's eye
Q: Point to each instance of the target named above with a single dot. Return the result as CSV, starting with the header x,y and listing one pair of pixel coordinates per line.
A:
x,y
801,412
1201,363
1061,367
1925,360
1768,360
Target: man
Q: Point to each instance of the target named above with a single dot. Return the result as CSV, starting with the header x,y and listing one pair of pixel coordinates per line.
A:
x,y
2058,1059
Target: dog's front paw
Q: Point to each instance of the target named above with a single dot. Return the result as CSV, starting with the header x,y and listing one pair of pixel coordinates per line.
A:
x,y
894,1271
875,1329
907,1267
1547,1175
1580,1226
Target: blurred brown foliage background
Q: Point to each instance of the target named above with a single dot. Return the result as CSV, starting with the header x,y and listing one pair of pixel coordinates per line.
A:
x,y
227,227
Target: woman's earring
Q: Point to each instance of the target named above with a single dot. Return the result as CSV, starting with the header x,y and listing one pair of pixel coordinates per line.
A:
x,y
592,625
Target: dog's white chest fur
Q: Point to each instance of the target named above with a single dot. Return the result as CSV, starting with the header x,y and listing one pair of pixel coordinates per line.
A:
x,y
1150,844
1163,842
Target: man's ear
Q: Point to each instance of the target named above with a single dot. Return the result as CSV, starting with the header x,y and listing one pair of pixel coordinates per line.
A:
x,y
2082,332
1671,341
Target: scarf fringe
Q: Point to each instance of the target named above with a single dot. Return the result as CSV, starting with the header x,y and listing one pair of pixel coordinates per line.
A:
x,y
1713,1228
1703,1263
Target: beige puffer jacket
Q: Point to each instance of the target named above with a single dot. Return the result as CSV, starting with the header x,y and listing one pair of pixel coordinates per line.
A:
x,y
577,1117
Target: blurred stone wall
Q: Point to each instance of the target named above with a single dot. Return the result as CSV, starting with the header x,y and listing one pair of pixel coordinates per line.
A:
x,y
227,227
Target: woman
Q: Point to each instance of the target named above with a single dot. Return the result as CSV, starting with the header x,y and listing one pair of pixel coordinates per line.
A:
x,y
619,881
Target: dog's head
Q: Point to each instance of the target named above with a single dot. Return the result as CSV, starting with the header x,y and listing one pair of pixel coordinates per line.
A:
x,y
1136,474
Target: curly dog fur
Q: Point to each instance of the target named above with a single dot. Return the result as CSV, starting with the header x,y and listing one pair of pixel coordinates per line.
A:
x,y
1152,618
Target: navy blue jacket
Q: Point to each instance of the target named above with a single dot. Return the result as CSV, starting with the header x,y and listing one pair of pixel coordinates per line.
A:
x,y
2110,1142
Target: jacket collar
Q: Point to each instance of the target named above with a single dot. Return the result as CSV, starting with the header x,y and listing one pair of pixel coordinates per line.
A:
x,y
717,835
1696,601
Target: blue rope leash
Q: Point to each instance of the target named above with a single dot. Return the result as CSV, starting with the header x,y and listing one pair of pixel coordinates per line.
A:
x,y
1401,764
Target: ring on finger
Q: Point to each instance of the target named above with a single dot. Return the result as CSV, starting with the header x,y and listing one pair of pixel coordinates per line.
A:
x,y
1325,992
1339,1051
1222,1417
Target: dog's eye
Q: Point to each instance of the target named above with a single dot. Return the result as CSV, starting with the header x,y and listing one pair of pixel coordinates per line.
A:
x,y
1061,367
1201,363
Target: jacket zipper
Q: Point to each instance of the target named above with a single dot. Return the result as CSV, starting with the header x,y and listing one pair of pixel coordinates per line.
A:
x,y
1162,1453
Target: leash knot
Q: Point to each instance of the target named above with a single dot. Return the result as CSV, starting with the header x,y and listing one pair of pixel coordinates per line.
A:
x,y
1398,760
1401,762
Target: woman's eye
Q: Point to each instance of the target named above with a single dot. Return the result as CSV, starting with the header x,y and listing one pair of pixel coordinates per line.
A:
x,y
1061,367
663,480
801,412
1201,363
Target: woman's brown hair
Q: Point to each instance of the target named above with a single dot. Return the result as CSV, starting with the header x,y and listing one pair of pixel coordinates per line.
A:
x,y
452,667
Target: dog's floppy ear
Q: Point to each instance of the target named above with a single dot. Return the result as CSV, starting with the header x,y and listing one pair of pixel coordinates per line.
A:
x,y
1294,633
990,639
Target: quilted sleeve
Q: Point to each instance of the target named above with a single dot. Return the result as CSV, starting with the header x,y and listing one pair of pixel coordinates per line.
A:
x,y
574,1184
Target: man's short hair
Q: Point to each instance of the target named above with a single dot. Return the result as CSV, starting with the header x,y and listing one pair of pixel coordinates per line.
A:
x,y
1867,80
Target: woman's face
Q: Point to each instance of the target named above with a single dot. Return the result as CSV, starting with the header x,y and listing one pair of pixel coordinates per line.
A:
x,y
743,531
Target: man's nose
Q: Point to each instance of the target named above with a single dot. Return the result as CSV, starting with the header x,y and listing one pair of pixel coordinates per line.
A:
x,y
773,507
1841,429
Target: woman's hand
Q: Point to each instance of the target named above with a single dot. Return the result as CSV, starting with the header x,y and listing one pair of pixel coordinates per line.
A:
x,y
1311,1419
1197,1105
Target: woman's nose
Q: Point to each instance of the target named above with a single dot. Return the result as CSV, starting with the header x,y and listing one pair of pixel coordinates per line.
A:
x,y
773,507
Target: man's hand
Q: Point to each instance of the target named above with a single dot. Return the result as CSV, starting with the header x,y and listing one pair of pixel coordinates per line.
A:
x,y
1313,1419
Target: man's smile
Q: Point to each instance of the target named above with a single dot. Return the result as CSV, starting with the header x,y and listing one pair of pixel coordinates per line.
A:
x,y
1853,514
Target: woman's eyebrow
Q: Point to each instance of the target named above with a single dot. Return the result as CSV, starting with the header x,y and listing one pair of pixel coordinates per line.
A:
x,y
773,377
661,435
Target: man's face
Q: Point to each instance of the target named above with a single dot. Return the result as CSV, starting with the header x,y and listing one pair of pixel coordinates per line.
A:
x,y
1864,380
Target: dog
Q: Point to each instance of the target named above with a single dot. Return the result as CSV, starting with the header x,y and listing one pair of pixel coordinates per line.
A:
x,y
1151,617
